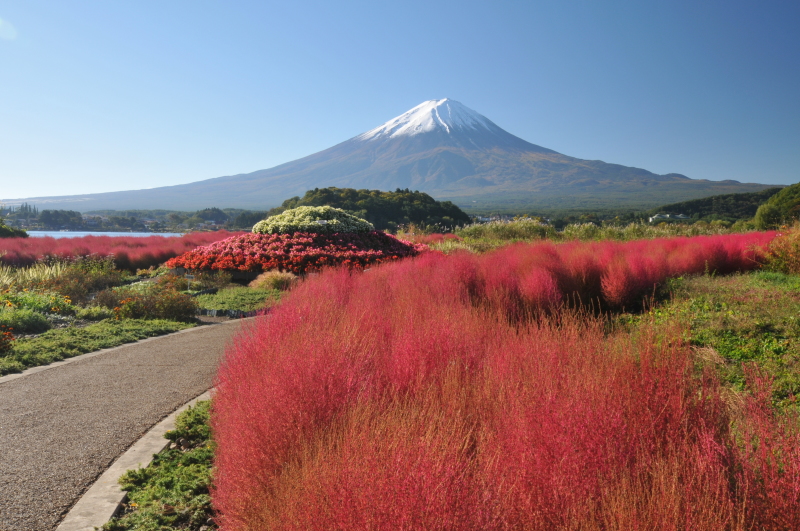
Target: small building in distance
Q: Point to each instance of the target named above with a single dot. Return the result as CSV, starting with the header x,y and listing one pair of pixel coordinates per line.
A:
x,y
671,217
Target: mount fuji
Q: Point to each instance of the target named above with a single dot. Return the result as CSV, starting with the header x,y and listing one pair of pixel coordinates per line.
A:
x,y
440,147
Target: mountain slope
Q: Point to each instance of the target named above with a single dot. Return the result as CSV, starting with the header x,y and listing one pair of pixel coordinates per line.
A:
x,y
440,147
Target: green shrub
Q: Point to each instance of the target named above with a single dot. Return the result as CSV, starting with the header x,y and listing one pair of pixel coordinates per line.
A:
x,y
768,216
193,425
320,220
24,321
148,301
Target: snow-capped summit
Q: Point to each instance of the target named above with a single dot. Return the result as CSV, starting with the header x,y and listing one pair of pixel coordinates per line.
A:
x,y
446,115
440,147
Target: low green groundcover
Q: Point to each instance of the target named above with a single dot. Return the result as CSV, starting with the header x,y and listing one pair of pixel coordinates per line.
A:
x,y
172,493
56,345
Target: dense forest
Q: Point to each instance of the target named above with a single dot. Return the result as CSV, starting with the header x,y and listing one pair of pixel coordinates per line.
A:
x,y
385,210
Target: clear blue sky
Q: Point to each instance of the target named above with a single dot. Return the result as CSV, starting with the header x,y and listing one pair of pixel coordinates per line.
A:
x,y
100,96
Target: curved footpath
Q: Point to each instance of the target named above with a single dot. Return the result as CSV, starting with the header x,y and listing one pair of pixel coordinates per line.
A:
x,y
62,425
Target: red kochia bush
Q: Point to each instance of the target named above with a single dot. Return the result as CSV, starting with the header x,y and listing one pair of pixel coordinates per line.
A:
x,y
299,252
542,276
129,252
404,398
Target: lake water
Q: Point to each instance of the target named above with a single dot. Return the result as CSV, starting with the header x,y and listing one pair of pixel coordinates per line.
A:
x,y
76,234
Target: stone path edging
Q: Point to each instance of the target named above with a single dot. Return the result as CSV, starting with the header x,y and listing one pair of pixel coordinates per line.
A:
x,y
103,499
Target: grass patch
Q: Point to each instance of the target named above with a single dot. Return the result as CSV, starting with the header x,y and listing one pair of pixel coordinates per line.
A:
x,y
173,492
94,313
56,345
239,298
739,319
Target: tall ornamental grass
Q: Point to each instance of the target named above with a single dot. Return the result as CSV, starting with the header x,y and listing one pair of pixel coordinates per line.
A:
x,y
39,273
414,396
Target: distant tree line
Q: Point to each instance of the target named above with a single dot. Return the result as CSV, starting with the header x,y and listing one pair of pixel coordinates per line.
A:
x,y
30,217
385,210
390,210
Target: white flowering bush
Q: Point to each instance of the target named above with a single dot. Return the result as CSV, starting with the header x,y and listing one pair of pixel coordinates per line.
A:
x,y
319,220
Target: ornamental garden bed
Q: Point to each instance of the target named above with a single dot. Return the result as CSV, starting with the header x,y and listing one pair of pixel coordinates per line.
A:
x,y
300,240
298,253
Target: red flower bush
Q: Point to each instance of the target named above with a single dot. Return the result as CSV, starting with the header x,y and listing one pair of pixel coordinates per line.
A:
x,y
129,252
405,398
299,252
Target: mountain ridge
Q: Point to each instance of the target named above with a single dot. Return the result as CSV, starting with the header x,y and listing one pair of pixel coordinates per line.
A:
x,y
440,147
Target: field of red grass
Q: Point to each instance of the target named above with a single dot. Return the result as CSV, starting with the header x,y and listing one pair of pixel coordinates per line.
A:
x,y
129,252
445,392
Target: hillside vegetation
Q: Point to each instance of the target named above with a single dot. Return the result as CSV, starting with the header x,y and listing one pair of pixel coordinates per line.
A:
x,y
385,210
782,208
727,207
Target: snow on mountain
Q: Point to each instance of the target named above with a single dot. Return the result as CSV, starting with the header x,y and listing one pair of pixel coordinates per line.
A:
x,y
440,147
445,114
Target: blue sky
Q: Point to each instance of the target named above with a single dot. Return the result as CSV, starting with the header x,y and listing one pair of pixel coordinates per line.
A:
x,y
100,96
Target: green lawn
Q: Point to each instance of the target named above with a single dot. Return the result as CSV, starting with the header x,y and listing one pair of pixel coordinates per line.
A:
x,y
239,298
748,318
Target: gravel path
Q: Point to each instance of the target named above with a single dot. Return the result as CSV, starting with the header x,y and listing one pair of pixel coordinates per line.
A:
x,y
61,428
